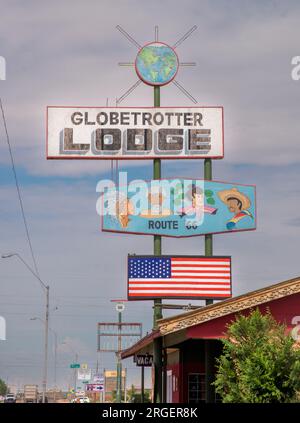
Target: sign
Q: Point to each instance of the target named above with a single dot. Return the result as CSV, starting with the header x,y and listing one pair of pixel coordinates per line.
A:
x,y
144,360
84,374
156,64
80,392
113,373
134,133
95,387
120,307
75,366
84,366
179,208
182,277
98,378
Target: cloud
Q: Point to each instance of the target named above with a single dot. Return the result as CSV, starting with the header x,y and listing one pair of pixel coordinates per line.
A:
x,y
243,55
67,53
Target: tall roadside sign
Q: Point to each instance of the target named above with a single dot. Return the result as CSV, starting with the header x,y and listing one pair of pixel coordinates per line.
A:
x,y
195,207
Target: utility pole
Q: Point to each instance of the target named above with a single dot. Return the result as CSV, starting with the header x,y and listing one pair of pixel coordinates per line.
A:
x,y
46,345
46,289
55,350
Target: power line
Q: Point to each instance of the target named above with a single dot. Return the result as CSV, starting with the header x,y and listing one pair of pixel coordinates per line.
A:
x,y
18,189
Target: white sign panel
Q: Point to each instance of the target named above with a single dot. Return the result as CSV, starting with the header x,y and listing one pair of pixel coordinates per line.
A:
x,y
134,133
84,374
98,378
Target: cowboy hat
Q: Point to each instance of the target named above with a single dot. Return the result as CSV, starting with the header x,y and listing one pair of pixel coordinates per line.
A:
x,y
235,193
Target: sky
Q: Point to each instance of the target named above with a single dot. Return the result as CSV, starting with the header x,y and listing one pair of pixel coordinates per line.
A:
x,y
67,53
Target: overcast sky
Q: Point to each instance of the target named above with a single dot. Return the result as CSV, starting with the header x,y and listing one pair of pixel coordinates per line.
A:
x,y
67,53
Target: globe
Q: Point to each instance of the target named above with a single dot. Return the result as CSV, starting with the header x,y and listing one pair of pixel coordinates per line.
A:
x,y
156,64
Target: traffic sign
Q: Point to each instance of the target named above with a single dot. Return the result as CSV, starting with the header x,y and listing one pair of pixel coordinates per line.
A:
x,y
120,307
75,366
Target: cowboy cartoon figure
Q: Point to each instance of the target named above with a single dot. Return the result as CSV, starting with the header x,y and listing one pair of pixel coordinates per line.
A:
x,y
238,204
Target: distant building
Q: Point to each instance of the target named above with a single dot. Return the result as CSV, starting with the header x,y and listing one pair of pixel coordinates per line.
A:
x,y
110,383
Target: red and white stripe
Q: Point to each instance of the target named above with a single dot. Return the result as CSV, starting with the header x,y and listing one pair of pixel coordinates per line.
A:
x,y
190,277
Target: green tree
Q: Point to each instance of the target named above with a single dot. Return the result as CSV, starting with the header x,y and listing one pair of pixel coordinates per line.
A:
x,y
136,397
3,388
259,364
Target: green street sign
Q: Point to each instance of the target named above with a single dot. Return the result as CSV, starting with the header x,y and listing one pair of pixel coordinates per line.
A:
x,y
75,366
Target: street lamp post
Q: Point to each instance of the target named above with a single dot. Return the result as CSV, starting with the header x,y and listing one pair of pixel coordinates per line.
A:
x,y
55,353
46,289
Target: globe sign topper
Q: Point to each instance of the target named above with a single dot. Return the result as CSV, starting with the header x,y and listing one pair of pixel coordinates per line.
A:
x,y
156,64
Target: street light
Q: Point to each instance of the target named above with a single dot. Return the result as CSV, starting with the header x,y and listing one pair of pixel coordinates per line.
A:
x,y
55,352
46,289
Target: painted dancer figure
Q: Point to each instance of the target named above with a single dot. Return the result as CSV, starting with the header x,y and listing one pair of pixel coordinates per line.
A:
x,y
238,204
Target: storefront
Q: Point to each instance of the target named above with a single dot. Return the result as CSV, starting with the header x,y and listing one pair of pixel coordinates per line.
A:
x,y
191,341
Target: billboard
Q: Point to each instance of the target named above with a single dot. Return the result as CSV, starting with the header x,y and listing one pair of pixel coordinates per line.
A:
x,y
181,277
134,133
179,208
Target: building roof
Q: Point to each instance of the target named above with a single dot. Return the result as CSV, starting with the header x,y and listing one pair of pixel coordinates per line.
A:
x,y
222,308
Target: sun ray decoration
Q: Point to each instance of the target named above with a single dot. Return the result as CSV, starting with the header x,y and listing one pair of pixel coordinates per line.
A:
x,y
172,69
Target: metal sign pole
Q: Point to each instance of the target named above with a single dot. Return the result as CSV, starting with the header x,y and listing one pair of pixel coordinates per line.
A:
x,y
119,363
209,359
142,384
208,238
157,344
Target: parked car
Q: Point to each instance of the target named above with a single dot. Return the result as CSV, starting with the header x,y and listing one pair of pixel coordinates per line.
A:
x,y
10,398
81,400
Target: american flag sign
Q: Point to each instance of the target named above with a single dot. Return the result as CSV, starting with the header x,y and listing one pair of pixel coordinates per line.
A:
x,y
186,277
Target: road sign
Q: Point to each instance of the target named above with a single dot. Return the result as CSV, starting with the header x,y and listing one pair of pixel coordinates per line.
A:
x,y
95,387
120,307
179,208
145,360
181,277
84,366
134,133
75,366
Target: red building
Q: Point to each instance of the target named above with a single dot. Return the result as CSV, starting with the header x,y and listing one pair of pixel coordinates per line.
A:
x,y
191,341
